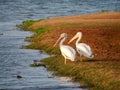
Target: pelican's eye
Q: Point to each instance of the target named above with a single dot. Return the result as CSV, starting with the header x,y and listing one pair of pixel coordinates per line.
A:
x,y
63,35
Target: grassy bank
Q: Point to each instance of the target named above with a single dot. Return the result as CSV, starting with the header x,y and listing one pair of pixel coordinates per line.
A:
x,y
101,31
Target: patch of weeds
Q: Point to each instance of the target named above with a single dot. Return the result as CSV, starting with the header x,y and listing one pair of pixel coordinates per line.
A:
x,y
25,24
41,30
28,22
38,65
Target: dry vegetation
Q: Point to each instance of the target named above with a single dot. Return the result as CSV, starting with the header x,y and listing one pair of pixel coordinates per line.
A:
x,y
101,31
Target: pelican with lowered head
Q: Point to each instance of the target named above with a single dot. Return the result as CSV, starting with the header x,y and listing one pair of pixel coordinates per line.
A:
x,y
67,51
82,48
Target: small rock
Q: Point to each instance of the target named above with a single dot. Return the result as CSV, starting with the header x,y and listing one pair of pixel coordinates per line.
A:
x,y
18,76
1,33
36,61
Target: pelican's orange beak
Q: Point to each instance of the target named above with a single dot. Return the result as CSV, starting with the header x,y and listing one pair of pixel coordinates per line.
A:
x,y
57,41
76,36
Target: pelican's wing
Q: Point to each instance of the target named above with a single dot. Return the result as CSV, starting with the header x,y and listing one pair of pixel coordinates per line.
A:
x,y
71,49
84,47
68,52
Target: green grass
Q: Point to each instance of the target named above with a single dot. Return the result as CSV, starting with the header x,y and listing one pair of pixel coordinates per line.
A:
x,y
37,65
25,24
41,30
96,76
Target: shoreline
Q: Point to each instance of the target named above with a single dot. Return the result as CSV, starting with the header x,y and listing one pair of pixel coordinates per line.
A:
x,y
98,73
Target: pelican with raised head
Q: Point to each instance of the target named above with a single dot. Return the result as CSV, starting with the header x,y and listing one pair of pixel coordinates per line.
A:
x,y
67,51
82,48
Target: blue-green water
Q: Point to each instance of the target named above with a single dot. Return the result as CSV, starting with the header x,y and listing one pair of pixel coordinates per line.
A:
x,y
15,61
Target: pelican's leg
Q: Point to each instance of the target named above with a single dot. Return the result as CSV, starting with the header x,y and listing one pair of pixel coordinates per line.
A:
x,y
81,58
65,60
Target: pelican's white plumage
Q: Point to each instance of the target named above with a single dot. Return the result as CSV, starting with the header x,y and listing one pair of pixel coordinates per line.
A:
x,y
67,51
82,48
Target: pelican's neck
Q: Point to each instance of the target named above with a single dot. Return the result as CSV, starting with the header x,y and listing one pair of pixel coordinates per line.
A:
x,y
61,42
79,38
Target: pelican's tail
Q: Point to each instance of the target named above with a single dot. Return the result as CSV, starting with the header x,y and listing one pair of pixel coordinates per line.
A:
x,y
91,56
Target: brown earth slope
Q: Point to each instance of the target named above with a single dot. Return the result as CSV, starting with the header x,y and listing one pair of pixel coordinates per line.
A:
x,y
101,31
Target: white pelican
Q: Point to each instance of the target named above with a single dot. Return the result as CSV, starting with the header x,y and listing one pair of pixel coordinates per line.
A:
x,y
82,48
67,51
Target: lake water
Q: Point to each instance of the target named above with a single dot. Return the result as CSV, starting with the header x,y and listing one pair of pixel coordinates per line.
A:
x,y
15,61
